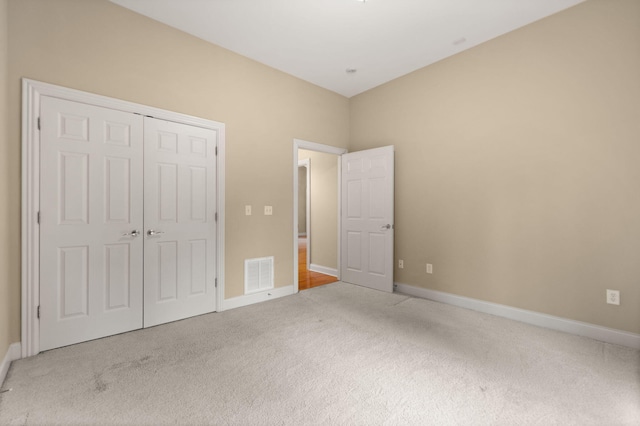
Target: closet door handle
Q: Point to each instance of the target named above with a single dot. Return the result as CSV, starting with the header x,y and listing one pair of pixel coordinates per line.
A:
x,y
152,232
133,233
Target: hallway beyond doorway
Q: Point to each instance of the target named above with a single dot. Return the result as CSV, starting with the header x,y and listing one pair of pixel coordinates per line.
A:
x,y
309,279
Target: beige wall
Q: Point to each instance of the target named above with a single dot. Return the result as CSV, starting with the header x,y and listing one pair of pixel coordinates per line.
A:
x,y
99,47
324,207
302,200
518,166
9,333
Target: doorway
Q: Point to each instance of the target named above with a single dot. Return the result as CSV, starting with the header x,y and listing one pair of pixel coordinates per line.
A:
x,y
317,218
316,244
323,270
365,228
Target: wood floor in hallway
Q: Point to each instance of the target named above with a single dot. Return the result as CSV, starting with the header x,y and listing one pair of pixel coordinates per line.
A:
x,y
309,279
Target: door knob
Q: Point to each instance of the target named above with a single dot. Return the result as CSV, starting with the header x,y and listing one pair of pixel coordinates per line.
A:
x,y
133,233
387,226
152,232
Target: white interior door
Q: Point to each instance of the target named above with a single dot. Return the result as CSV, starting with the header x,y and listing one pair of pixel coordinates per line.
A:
x,y
367,218
91,214
179,216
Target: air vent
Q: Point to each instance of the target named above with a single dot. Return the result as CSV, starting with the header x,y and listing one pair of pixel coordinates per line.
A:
x,y
258,274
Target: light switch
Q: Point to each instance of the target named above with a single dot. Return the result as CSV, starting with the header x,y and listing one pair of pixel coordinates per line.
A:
x,y
247,210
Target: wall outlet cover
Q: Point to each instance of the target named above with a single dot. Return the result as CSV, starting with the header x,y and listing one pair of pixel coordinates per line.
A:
x,y
613,297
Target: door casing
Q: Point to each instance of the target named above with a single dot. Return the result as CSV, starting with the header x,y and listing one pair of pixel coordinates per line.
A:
x,y
32,91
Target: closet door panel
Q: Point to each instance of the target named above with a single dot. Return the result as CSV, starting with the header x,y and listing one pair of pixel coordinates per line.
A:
x,y
180,228
91,202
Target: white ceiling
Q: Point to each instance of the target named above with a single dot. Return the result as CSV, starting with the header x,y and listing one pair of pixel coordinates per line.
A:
x,y
318,40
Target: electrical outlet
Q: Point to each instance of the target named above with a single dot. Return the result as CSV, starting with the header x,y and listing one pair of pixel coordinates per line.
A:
x,y
613,297
429,268
268,210
400,263
247,210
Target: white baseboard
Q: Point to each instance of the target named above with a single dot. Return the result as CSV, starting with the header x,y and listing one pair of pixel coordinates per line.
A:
x,y
579,328
323,270
250,299
13,353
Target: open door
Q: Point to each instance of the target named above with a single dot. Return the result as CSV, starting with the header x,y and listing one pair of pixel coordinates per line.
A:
x,y
367,218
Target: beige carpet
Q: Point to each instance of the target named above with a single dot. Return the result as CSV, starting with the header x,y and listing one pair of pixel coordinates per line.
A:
x,y
337,354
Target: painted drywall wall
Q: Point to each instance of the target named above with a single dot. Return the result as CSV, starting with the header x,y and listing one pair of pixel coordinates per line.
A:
x,y
302,200
323,188
8,334
99,47
517,166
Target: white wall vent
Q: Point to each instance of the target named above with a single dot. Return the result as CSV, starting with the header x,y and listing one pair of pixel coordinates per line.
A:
x,y
258,274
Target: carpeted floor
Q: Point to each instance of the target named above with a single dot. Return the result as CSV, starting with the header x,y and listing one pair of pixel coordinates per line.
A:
x,y
337,354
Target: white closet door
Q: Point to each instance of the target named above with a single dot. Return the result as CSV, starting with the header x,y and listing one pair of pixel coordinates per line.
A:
x,y
179,216
91,206
367,218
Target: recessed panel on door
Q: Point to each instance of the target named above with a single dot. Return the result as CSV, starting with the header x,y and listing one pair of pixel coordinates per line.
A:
x,y
198,194
117,276
354,251
167,192
117,191
73,188
354,194
198,267
377,252
167,270
73,281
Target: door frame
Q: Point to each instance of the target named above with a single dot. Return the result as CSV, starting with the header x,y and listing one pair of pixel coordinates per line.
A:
x,y
32,91
327,149
306,163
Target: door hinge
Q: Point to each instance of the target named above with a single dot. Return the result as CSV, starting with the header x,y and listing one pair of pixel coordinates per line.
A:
x,y
38,123
216,151
216,283
38,311
216,216
38,218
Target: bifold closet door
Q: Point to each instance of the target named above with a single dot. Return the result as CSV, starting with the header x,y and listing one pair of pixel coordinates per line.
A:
x,y
91,244
179,217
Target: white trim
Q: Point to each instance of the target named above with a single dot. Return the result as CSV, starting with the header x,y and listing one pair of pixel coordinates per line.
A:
x,y
307,163
311,146
30,228
323,270
220,190
250,299
32,91
13,353
579,328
